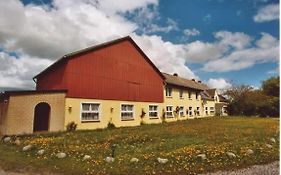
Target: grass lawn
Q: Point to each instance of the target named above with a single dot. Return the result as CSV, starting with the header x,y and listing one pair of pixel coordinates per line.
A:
x,y
180,142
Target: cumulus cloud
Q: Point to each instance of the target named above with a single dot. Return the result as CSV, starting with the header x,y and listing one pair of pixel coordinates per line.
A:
x,y
267,13
218,83
17,73
266,49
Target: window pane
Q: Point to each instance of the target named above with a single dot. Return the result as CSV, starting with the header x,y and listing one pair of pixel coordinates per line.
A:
x,y
85,107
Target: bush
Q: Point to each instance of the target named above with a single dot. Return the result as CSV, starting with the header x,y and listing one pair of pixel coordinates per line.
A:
x,y
71,126
110,125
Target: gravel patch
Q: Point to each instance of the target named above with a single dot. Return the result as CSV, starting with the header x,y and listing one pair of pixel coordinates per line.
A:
x,y
268,169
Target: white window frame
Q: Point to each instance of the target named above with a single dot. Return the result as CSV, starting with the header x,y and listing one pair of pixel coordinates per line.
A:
x,y
133,111
181,112
169,111
153,117
168,94
99,111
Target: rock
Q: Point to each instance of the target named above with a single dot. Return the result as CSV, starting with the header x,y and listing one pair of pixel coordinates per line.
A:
x,y
249,152
7,139
134,160
162,161
109,159
17,142
272,140
27,148
86,157
40,152
61,155
230,154
202,156
269,146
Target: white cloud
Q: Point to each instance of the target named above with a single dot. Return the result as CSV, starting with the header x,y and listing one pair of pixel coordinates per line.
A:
x,y
267,13
266,50
191,32
218,83
18,73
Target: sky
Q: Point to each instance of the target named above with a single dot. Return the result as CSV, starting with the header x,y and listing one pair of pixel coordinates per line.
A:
x,y
220,42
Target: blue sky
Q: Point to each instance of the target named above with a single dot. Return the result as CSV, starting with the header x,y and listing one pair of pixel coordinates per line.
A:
x,y
221,42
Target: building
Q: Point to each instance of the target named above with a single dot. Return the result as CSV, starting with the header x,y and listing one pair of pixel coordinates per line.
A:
x,y
114,82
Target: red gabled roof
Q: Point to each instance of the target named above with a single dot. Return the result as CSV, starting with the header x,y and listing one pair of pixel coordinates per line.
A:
x,y
96,47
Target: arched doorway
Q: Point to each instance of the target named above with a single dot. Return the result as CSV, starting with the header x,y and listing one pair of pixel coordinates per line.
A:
x,y
41,117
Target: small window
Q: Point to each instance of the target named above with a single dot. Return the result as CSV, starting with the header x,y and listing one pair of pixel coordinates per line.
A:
x,y
127,112
181,111
153,111
168,91
212,110
198,110
169,111
90,112
196,95
190,111
189,94
181,93
206,110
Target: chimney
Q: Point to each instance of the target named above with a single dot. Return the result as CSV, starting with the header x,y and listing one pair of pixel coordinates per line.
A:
x,y
193,79
175,74
199,81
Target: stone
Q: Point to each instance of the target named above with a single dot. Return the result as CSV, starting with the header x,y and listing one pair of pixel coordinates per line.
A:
x,y
269,146
249,151
161,160
202,156
17,141
27,148
7,139
61,155
41,152
133,160
109,159
86,157
272,140
230,154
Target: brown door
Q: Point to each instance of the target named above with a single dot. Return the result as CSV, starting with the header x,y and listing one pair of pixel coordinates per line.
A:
x,y
41,117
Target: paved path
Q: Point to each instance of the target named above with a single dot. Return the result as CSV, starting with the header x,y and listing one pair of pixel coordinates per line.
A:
x,y
268,169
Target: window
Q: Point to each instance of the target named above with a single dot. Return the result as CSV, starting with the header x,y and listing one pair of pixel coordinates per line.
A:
x,y
189,95
190,111
181,93
206,110
127,112
168,91
181,111
90,112
196,95
212,110
169,111
198,110
153,111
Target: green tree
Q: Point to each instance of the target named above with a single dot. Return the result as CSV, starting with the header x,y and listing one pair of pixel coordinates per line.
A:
x,y
271,86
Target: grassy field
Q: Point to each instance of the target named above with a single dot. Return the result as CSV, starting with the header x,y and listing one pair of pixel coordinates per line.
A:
x,y
180,142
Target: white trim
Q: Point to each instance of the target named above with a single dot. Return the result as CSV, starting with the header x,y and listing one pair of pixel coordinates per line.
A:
x,y
154,111
169,111
182,111
99,111
129,111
